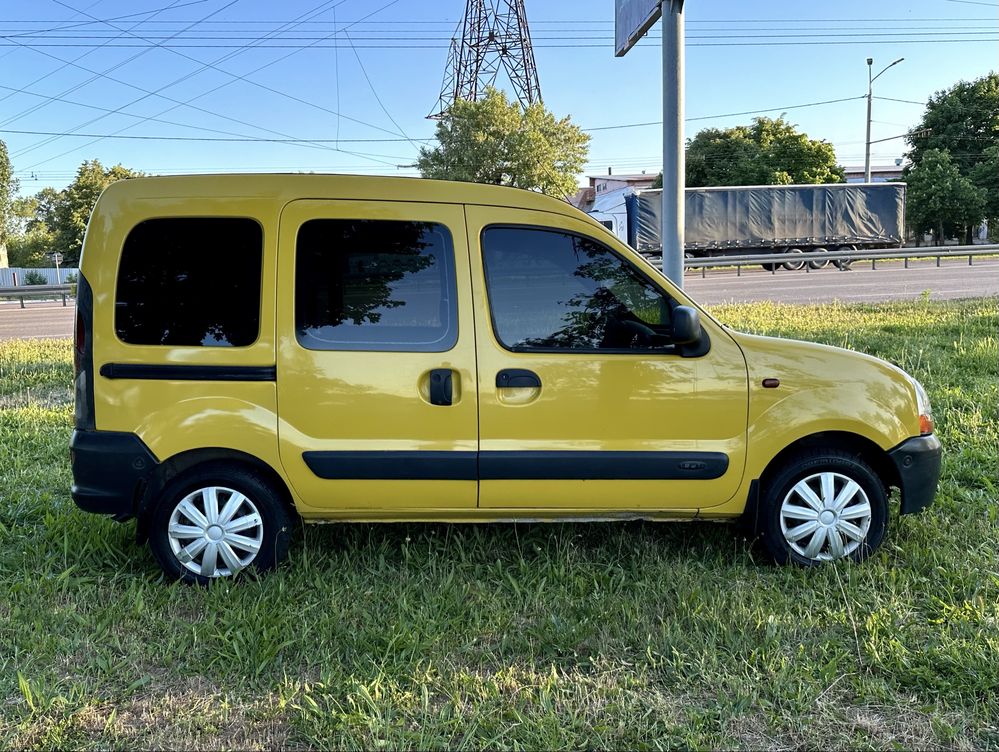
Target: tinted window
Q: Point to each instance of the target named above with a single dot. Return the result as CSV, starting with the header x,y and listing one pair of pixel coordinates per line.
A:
x,y
554,290
188,281
364,284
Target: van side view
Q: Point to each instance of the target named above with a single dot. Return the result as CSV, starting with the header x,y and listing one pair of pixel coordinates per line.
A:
x,y
254,349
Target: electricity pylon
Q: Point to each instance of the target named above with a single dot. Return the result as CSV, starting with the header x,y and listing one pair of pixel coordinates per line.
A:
x,y
494,35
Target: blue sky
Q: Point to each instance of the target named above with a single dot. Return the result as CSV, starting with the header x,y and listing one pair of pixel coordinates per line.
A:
x,y
147,69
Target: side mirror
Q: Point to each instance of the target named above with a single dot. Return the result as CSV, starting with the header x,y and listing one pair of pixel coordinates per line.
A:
x,y
686,325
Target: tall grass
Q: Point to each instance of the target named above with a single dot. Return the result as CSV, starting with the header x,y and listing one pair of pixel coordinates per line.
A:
x,y
532,636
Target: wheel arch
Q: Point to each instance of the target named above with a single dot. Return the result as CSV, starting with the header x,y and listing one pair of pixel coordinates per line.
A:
x,y
844,441
185,462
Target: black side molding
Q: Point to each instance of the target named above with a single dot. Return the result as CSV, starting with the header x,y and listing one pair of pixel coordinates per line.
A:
x,y
419,465
175,372
602,465
393,465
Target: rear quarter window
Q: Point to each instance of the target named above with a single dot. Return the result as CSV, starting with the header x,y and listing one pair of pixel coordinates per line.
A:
x,y
190,282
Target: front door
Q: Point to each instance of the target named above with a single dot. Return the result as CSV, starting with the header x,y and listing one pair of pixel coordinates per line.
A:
x,y
584,401
376,356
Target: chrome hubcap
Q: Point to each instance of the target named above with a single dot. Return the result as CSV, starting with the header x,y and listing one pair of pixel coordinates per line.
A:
x,y
215,531
825,516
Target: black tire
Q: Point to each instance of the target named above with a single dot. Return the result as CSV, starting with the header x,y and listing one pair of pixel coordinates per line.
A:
x,y
271,534
845,264
793,266
812,467
819,262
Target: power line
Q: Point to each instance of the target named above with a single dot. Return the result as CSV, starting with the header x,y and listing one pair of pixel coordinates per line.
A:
x,y
728,114
312,14
904,101
646,43
234,139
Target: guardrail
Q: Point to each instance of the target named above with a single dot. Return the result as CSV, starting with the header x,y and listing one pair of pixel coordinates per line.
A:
x,y
776,260
31,291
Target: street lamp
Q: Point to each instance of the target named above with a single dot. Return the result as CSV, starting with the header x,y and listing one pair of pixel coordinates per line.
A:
x,y
870,80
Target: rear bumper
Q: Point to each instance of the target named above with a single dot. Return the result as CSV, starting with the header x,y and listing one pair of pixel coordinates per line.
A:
x,y
110,470
917,461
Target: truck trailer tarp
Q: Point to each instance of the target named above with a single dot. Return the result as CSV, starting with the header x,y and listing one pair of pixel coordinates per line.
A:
x,y
775,216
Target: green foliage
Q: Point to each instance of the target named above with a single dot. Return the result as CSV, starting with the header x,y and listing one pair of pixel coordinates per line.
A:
x,y
768,152
939,198
493,140
985,176
8,189
31,249
963,120
70,212
527,636
35,278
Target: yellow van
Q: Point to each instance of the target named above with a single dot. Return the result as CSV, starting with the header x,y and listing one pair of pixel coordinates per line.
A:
x,y
251,349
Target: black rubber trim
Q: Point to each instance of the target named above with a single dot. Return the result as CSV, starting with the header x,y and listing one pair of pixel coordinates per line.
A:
x,y
602,465
392,465
918,462
108,468
174,372
83,380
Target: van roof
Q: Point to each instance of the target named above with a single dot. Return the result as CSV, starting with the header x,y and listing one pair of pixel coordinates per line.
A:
x,y
289,187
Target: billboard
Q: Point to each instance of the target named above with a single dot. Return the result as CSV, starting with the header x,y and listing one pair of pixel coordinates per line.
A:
x,y
632,18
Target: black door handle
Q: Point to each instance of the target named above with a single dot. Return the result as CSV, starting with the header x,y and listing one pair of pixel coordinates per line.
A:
x,y
517,378
440,387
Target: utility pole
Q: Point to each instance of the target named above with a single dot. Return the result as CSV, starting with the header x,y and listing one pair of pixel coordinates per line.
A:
x,y
674,158
870,97
494,35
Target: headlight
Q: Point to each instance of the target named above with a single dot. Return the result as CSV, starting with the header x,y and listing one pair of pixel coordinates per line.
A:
x,y
923,406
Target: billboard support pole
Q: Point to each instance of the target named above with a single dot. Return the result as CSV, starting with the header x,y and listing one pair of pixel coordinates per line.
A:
x,y
674,161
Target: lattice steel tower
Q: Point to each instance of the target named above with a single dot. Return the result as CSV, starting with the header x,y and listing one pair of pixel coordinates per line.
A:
x,y
494,35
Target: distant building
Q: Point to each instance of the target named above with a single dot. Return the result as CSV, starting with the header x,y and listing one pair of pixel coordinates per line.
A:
x,y
879,174
600,184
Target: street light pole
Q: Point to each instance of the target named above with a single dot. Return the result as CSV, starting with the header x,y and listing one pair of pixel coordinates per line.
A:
x,y
870,97
674,160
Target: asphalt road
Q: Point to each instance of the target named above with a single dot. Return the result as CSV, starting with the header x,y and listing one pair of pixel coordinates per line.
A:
x,y
954,279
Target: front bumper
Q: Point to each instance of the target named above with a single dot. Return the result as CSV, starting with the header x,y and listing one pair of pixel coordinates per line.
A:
x,y
110,470
917,461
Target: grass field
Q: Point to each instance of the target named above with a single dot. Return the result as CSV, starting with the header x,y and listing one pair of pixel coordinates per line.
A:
x,y
539,636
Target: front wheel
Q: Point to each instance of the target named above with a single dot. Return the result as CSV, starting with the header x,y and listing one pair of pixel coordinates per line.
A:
x,y
820,506
217,521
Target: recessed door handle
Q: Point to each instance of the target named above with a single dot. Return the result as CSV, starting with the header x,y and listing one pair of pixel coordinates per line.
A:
x,y
441,392
517,378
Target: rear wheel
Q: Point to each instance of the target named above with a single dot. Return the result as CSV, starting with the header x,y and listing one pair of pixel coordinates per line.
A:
x,y
217,521
795,264
845,264
820,506
818,263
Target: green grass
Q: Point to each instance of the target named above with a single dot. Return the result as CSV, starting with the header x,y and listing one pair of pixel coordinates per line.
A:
x,y
516,636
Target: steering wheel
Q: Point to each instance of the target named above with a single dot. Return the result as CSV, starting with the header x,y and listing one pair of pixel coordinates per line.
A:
x,y
645,335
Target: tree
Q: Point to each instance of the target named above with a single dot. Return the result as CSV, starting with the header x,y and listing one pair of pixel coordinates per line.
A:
x,y
939,198
493,140
963,120
70,211
8,189
985,176
768,152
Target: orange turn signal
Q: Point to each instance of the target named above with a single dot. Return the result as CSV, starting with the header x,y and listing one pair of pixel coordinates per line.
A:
x,y
925,424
